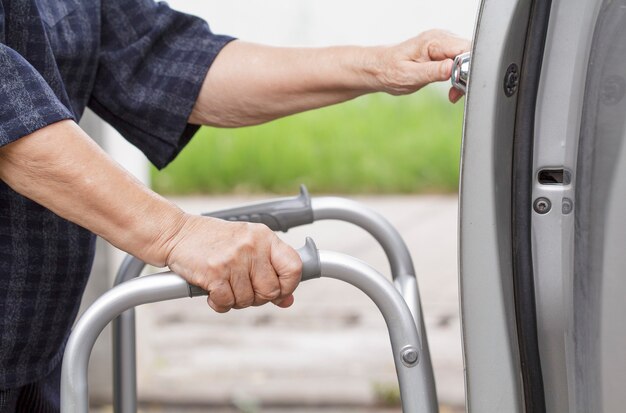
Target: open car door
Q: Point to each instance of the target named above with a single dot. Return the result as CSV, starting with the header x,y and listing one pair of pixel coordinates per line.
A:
x,y
543,189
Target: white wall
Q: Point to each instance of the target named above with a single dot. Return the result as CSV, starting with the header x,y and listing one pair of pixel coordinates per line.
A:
x,y
325,22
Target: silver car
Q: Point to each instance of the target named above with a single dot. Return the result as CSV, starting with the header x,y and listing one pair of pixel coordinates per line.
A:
x,y
543,190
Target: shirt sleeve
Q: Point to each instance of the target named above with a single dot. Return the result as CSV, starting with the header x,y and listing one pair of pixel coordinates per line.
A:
x,y
153,61
28,102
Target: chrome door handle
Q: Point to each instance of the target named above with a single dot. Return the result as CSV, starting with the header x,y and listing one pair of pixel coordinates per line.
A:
x,y
460,71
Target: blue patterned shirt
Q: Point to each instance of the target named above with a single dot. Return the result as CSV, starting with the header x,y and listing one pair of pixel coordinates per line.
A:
x,y
137,64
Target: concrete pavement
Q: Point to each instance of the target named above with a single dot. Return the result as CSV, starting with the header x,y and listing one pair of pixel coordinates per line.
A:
x,y
331,348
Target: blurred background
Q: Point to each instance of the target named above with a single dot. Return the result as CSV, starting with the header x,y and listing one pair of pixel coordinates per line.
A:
x,y
375,144
397,155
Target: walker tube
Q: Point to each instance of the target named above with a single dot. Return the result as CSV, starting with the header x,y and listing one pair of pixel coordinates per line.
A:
x,y
143,290
124,343
402,270
388,237
417,389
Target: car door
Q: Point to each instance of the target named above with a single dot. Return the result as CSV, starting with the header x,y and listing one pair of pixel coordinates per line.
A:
x,y
543,185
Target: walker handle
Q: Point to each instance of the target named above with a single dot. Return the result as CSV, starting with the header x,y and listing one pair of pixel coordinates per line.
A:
x,y
278,215
311,265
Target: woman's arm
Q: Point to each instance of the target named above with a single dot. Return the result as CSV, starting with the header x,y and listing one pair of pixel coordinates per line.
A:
x,y
240,264
250,83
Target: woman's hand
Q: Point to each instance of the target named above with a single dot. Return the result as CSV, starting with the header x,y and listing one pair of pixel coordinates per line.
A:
x,y
239,264
407,67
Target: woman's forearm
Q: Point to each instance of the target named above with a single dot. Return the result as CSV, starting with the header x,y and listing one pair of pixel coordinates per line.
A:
x,y
64,170
239,264
250,84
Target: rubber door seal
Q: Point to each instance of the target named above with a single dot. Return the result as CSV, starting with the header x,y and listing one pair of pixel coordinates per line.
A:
x,y
523,146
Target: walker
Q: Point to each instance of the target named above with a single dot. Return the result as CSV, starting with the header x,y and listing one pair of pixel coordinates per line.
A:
x,y
400,306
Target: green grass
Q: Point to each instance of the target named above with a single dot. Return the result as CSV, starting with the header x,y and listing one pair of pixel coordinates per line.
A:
x,y
374,144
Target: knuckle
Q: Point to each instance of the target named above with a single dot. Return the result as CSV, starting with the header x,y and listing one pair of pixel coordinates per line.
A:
x,y
434,33
268,294
250,239
254,228
224,267
433,48
244,304
261,228
241,226
220,304
246,301
261,233
200,280
431,72
425,37
217,268
258,301
217,308
248,243
225,303
443,70
221,295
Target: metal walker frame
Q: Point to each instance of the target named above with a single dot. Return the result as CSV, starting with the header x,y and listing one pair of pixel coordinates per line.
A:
x,y
400,306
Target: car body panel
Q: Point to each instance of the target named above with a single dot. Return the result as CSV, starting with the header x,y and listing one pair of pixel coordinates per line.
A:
x,y
493,382
577,244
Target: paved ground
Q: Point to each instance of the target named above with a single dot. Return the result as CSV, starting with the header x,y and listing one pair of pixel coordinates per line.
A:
x,y
330,349
161,409
178,409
